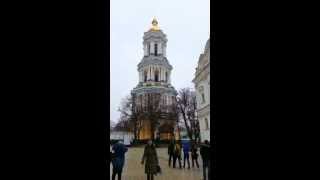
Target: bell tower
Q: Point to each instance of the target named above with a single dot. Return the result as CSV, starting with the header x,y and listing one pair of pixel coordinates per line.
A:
x,y
154,72
155,45
154,66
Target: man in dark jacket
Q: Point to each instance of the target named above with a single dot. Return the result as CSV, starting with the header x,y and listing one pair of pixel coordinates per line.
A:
x,y
170,150
119,150
194,154
205,154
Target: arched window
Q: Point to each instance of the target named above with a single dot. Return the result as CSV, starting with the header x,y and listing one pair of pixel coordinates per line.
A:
x,y
156,76
206,123
155,49
145,76
203,99
201,93
166,77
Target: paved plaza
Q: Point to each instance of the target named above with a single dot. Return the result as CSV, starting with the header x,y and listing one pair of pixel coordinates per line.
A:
x,y
134,170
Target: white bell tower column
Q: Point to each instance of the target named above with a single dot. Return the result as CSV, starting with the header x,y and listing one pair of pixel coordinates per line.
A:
x,y
160,48
152,48
145,49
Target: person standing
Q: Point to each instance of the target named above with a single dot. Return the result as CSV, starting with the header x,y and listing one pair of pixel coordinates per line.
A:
x,y
177,154
171,151
194,154
150,159
186,150
205,154
119,150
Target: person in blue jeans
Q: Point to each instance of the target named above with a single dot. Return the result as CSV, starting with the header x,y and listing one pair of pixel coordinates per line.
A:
x,y
119,150
186,150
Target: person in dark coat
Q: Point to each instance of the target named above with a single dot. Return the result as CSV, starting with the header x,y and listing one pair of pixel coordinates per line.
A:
x,y
119,150
111,156
205,154
194,154
150,159
186,150
170,150
177,154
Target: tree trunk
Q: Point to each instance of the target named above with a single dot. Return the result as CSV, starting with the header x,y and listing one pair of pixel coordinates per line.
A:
x,y
186,123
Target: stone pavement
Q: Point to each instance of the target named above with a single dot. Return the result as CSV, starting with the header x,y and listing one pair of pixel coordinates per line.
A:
x,y
134,170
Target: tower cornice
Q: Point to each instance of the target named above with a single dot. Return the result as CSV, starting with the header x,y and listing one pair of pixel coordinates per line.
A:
x,y
156,60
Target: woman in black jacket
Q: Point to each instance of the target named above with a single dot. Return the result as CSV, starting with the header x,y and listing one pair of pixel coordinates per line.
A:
x,y
150,159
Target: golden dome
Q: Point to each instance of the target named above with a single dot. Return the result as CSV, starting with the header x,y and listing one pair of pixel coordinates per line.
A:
x,y
155,26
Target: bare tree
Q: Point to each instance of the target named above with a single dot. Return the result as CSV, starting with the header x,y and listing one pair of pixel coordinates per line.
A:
x,y
150,106
135,116
112,125
131,114
125,123
186,105
153,111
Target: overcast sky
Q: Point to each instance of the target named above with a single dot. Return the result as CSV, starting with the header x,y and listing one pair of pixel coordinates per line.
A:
x,y
186,24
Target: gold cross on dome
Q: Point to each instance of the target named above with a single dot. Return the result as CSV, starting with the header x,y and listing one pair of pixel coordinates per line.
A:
x,y
155,26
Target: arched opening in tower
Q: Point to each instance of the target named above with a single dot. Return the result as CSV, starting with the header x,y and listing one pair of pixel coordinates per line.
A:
x,y
156,49
156,76
145,76
166,77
